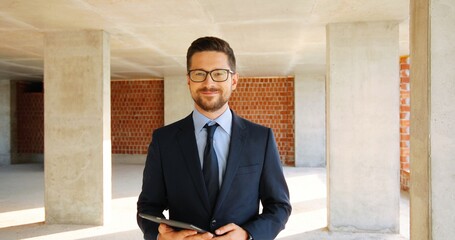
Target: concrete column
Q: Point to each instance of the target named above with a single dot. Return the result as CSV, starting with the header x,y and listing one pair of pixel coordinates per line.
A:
x,y
432,119
177,99
309,93
363,151
13,118
77,127
5,122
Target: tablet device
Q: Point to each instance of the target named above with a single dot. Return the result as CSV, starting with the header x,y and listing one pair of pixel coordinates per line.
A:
x,y
172,223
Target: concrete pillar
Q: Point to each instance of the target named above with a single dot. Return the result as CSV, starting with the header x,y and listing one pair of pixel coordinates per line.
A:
x,y
77,127
13,118
5,122
177,99
363,152
309,95
432,158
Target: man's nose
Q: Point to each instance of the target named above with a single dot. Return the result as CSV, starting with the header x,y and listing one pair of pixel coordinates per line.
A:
x,y
208,78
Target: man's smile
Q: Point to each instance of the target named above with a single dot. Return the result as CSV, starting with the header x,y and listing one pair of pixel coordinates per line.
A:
x,y
207,91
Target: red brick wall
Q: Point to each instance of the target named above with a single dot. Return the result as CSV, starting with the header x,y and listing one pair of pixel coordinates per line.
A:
x,y
405,110
30,117
270,102
137,109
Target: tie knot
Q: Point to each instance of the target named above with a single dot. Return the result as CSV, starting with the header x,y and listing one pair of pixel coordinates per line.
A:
x,y
211,129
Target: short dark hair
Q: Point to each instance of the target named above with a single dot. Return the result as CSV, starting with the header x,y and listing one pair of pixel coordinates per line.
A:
x,y
210,44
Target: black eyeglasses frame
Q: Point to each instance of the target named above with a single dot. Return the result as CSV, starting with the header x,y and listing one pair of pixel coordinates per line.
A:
x,y
210,73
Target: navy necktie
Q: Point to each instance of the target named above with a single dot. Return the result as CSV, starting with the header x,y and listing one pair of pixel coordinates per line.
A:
x,y
210,167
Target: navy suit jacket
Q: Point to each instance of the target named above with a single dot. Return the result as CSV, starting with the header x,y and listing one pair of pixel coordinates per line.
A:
x,y
173,180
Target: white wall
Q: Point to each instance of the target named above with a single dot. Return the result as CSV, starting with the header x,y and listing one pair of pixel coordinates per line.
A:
x,y
177,99
309,97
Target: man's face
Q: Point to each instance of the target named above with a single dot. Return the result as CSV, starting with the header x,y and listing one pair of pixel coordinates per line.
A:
x,y
208,95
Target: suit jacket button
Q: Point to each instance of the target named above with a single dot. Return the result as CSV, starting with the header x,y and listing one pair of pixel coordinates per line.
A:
x,y
213,223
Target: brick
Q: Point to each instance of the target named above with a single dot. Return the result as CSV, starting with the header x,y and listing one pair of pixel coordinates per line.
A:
x,y
137,110
404,115
405,137
404,73
404,130
404,86
405,165
273,105
404,159
404,59
404,151
405,108
30,119
405,94
404,123
404,66
405,79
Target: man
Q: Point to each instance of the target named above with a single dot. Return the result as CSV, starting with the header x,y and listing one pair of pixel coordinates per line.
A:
x,y
213,168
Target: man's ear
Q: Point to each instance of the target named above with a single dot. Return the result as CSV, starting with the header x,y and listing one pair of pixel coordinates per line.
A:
x,y
235,81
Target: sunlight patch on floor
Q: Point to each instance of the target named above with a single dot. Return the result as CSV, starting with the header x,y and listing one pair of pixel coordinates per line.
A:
x,y
305,222
125,209
21,217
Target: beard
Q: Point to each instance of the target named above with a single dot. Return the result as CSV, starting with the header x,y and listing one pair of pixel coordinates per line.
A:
x,y
213,103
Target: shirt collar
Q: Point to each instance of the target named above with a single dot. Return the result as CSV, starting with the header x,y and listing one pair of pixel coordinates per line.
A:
x,y
224,120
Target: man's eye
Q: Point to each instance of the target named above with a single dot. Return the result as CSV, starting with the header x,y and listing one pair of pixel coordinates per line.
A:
x,y
219,73
199,74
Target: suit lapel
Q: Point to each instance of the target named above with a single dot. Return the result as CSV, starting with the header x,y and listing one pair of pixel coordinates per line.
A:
x,y
187,143
238,138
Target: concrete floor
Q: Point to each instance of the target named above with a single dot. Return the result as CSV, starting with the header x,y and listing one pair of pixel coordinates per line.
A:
x,y
22,211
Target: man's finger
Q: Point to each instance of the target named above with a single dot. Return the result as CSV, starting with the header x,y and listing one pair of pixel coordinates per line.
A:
x,y
226,228
186,233
163,228
207,236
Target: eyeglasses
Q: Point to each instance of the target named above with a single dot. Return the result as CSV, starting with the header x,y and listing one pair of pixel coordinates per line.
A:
x,y
218,75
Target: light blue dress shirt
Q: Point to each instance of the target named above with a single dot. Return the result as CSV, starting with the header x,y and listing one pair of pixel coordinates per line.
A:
x,y
221,138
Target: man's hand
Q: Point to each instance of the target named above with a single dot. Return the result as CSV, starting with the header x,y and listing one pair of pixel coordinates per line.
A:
x,y
168,233
231,232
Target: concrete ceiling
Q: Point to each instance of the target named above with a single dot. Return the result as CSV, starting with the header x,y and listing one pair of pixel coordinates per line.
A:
x,y
149,38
